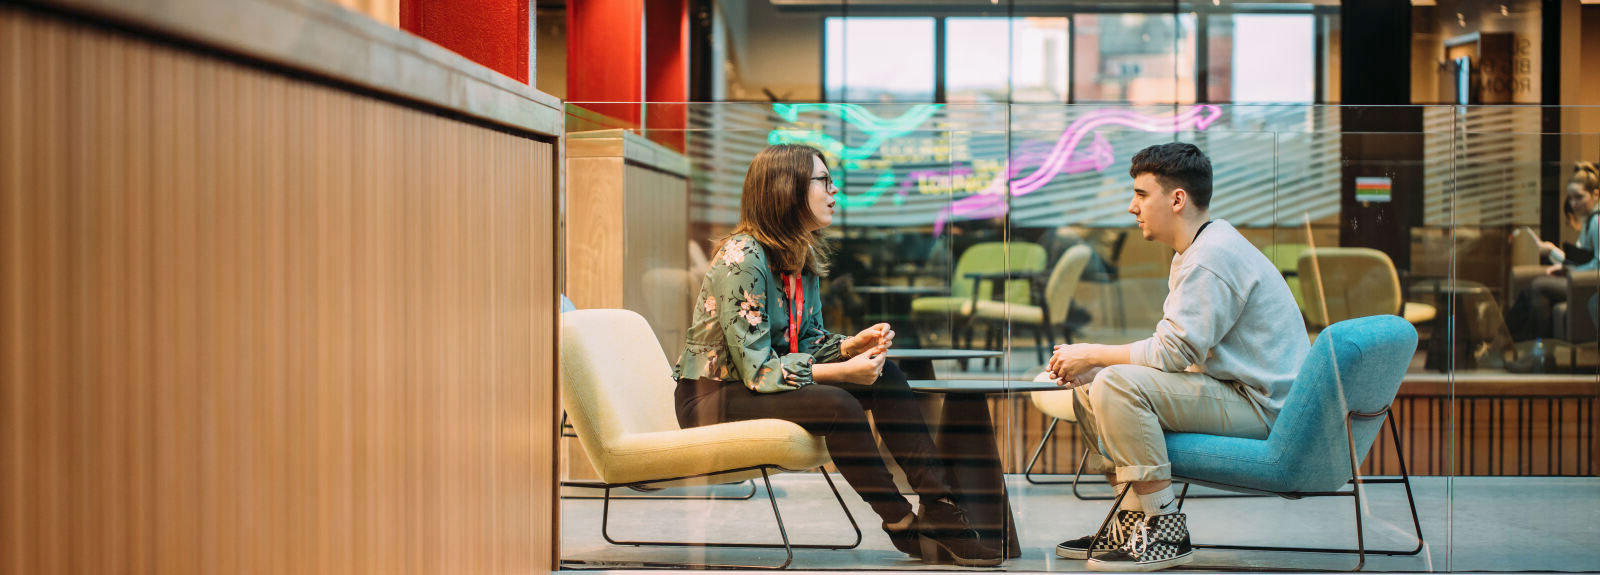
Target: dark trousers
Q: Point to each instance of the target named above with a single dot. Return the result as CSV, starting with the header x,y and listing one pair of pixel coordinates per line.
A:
x,y
837,412
1547,291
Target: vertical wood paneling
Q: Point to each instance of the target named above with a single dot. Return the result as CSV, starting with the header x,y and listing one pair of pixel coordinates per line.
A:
x,y
12,523
1472,436
250,324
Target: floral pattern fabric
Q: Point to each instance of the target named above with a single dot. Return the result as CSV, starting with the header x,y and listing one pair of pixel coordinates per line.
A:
x,y
740,330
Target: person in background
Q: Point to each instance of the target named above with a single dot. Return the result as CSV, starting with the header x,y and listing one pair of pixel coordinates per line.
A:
x,y
1582,198
757,349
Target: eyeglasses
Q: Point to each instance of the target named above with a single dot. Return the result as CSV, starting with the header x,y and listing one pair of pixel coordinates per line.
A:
x,y
827,181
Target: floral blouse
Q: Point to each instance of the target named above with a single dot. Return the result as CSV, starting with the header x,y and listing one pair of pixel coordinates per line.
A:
x,y
740,330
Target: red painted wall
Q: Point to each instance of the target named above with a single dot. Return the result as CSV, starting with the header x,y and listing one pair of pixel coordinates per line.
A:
x,y
490,32
667,70
604,56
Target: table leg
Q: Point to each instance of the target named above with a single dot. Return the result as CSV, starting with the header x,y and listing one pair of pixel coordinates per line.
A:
x,y
966,442
963,433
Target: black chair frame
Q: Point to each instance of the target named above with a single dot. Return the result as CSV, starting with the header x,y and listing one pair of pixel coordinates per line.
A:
x,y
1356,483
788,547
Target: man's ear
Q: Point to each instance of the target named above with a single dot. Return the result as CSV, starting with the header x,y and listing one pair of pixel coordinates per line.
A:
x,y
1180,198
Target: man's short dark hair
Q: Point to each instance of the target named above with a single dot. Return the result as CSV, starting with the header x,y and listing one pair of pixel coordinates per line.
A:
x,y
1177,165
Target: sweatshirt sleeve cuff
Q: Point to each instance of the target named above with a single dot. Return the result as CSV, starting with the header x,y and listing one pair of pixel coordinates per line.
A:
x,y
1139,353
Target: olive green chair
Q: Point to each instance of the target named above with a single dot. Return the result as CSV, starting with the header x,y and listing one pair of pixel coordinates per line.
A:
x,y
1356,282
978,271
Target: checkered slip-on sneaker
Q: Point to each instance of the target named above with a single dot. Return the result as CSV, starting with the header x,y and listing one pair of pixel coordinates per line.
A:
x,y
1156,542
1112,537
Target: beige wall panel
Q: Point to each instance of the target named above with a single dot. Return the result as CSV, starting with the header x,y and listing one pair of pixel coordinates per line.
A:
x,y
656,258
250,324
596,236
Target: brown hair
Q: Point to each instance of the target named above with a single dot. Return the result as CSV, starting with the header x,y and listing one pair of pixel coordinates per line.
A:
x,y
1585,174
774,209
1177,165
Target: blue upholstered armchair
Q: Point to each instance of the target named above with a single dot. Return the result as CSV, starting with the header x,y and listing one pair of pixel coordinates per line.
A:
x,y
1329,422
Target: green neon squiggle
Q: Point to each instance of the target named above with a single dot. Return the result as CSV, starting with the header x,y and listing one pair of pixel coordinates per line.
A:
x,y
879,130
883,183
862,117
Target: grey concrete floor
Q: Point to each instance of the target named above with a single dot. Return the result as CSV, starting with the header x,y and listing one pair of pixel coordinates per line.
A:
x,y
1470,524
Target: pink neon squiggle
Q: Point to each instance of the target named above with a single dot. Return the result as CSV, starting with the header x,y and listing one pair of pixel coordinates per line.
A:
x,y
1060,159
984,205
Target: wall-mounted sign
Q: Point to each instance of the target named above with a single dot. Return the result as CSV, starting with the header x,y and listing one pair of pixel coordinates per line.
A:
x,y
1373,189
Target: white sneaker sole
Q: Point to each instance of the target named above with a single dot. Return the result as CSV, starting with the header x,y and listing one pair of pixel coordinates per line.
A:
x,y
1066,553
1132,567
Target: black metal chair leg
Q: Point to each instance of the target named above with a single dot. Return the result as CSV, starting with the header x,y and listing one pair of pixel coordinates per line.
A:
x,y
1355,493
1095,540
788,550
1405,479
1027,471
1077,477
788,547
1358,483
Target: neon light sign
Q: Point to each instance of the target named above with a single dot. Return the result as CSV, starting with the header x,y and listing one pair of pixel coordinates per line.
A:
x,y
991,201
1064,157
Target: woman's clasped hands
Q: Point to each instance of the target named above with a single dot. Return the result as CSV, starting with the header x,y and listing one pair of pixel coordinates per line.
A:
x,y
866,353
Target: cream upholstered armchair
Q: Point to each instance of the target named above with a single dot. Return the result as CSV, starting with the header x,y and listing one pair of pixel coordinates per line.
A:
x,y
617,390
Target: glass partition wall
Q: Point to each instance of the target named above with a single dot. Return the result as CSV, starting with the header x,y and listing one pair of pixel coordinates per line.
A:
x,y
986,234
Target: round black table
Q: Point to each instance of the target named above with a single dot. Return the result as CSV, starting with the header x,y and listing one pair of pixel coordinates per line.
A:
x,y
918,363
980,386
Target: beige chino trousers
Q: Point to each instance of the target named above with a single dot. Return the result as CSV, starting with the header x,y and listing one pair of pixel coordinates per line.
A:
x,y
1127,409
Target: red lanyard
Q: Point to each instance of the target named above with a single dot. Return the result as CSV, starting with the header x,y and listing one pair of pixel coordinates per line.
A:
x,y
797,302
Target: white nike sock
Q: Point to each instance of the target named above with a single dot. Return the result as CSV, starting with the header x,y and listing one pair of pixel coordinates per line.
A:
x,y
1159,503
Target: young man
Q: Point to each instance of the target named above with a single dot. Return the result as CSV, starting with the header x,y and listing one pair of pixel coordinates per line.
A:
x,y
1229,344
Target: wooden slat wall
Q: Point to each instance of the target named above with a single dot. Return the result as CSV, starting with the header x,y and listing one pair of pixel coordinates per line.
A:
x,y
250,324
1512,435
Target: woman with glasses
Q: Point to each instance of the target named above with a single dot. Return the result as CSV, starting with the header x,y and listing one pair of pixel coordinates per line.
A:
x,y
757,349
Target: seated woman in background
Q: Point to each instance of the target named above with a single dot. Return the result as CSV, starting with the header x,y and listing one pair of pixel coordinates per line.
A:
x,y
1582,198
757,349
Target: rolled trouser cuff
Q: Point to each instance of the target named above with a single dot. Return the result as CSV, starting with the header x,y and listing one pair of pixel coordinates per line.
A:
x,y
1127,473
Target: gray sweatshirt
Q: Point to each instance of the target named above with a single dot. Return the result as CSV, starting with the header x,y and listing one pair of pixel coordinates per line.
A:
x,y
1230,314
